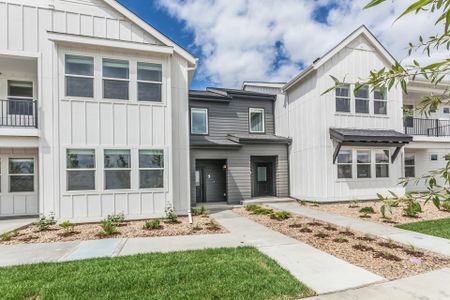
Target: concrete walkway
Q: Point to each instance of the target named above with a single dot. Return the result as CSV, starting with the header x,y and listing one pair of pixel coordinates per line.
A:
x,y
419,240
428,286
7,225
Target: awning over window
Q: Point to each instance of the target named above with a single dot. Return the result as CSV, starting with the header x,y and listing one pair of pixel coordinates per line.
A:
x,y
369,138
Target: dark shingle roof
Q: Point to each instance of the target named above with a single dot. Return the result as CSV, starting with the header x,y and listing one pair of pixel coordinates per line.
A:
x,y
258,138
368,135
225,94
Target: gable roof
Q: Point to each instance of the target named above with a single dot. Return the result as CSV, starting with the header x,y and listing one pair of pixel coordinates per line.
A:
x,y
152,31
225,94
362,30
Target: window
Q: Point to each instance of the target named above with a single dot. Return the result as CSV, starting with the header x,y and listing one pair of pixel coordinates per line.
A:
x,y
363,163
432,109
21,175
151,169
382,163
20,96
115,79
344,164
434,157
380,101
262,174
149,82
199,120
446,110
343,99
362,100
447,157
256,120
410,165
80,169
79,76
117,169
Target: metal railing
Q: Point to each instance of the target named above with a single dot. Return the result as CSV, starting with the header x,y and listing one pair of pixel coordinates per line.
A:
x,y
427,127
18,113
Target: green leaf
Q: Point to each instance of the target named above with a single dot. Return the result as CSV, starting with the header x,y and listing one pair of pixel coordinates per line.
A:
x,y
373,3
416,6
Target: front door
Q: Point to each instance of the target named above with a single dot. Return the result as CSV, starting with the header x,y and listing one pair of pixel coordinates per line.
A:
x,y
263,178
210,180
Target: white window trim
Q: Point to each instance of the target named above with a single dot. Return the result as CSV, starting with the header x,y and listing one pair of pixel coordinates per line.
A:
x,y
368,100
256,110
200,109
345,164
150,169
115,79
385,100
354,177
382,163
431,157
117,169
370,163
349,97
81,169
8,191
64,90
410,166
148,81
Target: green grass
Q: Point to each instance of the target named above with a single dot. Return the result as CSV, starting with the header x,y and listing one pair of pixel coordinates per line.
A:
x,y
234,273
440,227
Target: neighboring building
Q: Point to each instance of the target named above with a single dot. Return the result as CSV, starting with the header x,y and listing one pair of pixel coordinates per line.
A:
x,y
93,114
235,154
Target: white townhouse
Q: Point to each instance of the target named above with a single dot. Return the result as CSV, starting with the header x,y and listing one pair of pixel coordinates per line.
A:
x,y
351,146
93,112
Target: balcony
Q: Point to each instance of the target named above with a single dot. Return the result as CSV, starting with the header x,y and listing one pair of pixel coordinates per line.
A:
x,y
427,127
18,113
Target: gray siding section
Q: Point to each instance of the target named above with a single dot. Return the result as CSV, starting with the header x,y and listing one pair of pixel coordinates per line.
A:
x,y
239,169
232,117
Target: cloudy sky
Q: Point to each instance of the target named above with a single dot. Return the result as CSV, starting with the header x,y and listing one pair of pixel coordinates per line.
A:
x,y
273,40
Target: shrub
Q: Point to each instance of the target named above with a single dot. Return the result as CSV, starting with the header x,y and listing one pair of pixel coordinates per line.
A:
x,y
212,225
45,222
446,205
108,227
7,236
171,215
251,207
116,218
197,227
258,210
153,224
280,215
67,226
367,210
412,209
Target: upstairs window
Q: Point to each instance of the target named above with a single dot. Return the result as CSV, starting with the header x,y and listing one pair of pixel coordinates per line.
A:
x,y
80,169
116,76
380,101
363,163
117,169
382,163
20,96
362,100
343,99
256,118
149,82
79,72
199,121
410,165
344,164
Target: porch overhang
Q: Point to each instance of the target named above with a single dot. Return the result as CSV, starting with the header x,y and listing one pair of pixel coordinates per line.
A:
x,y
368,138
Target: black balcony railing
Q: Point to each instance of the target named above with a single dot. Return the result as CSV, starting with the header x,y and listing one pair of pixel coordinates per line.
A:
x,y
427,127
18,113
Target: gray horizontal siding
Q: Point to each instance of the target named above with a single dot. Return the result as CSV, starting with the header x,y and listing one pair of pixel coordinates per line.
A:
x,y
239,169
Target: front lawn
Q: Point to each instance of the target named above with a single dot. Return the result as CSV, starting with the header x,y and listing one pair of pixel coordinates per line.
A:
x,y
234,273
440,228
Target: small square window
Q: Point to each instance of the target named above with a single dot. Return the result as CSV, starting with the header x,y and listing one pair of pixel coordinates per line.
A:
x,y
434,157
446,110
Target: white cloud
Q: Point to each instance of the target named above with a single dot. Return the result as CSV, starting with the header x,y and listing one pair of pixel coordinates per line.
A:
x,y
240,39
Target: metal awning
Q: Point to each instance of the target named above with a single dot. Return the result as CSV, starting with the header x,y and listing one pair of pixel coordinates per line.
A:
x,y
369,138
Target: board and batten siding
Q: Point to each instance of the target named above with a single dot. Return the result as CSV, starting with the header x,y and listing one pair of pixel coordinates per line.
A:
x,y
97,123
313,176
239,179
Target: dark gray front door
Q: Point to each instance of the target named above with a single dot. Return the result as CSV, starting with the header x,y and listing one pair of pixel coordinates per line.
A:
x,y
210,181
263,176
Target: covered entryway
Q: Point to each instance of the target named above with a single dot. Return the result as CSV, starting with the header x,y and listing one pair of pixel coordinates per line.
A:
x,y
263,176
210,180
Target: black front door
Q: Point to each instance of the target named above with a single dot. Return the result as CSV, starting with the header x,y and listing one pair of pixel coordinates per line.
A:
x,y
210,181
263,177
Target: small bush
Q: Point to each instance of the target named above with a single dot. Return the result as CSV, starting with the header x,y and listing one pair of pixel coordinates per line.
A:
x,y
251,207
212,225
258,210
45,222
367,210
171,215
7,236
197,227
280,215
446,205
108,227
67,226
116,218
412,209
153,224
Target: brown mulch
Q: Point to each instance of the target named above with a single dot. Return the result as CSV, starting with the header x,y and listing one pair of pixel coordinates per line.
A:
x,y
401,261
128,229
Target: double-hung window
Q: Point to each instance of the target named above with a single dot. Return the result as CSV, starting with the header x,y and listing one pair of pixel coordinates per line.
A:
x,y
343,99
20,96
116,77
149,82
151,169
410,165
80,169
79,72
256,118
344,164
362,100
382,163
363,163
117,166
380,101
21,175
199,120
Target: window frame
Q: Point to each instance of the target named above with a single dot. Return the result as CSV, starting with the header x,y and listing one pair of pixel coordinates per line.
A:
x,y
103,78
163,169
66,75
138,61
345,164
94,169
129,169
384,100
20,98
434,154
263,113
9,174
370,163
349,97
413,166
207,120
382,163
363,99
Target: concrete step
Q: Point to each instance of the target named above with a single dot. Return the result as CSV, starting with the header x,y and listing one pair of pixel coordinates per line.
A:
x,y
264,200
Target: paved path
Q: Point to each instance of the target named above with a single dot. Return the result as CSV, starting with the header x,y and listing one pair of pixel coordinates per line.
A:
x,y
428,286
7,225
319,270
419,240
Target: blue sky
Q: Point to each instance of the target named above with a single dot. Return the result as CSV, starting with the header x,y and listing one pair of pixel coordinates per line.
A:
x,y
272,40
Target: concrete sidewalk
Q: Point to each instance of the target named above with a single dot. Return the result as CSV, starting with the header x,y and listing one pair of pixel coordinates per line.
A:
x,y
319,270
7,225
419,240
428,286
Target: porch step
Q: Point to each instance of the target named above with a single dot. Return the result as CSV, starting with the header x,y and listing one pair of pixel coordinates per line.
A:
x,y
264,200
214,207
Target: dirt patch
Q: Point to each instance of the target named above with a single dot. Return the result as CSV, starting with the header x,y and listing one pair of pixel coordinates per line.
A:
x,y
377,259
128,229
